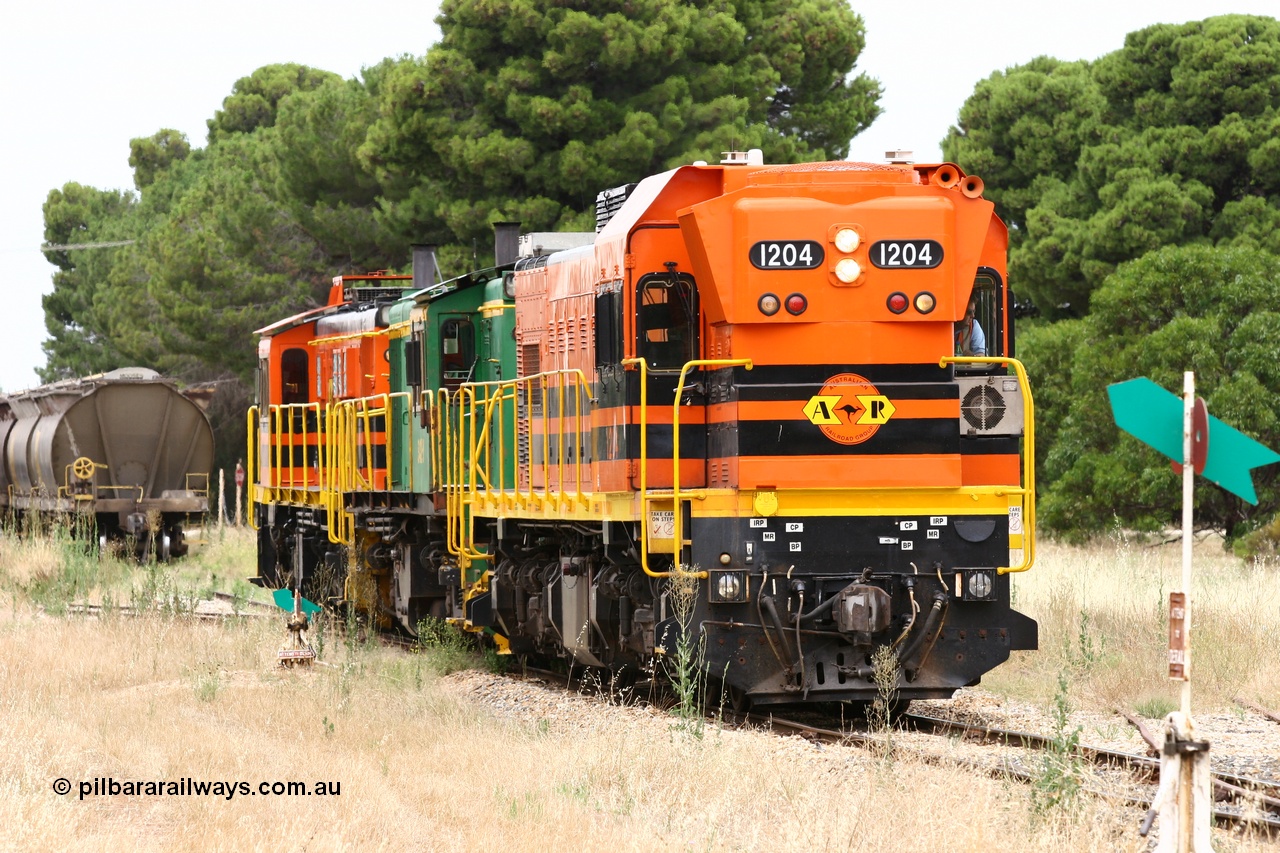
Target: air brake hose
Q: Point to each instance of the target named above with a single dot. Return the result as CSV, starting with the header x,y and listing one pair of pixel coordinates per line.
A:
x,y
930,629
818,612
767,603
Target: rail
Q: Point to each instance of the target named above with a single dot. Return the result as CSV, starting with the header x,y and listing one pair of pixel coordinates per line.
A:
x,y
354,426
1028,488
478,420
676,495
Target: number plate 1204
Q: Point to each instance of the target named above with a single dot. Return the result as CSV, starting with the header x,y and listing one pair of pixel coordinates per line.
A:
x,y
906,254
787,255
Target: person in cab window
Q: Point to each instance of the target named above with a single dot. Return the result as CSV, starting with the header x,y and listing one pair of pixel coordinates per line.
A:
x,y
970,340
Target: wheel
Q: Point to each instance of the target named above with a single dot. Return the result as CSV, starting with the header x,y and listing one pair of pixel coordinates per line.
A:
x,y
727,697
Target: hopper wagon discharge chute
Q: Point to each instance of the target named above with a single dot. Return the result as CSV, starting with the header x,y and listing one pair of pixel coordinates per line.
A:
x,y
126,451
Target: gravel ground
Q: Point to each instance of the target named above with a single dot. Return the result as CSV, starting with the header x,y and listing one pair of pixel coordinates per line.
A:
x,y
1244,743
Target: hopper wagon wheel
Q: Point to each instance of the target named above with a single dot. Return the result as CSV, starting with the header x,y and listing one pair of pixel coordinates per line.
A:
x,y
83,468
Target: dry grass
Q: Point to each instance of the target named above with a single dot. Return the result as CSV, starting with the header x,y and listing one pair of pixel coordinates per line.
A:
x,y
420,769
423,767
1103,614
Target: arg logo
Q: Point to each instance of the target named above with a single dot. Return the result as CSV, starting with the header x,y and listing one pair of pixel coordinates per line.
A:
x,y
848,409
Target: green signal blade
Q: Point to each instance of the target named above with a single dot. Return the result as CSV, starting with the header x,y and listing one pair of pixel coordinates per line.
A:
x,y
1232,458
1150,414
284,600
1154,416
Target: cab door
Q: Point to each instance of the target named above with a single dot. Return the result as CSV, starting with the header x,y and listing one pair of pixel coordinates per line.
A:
x,y
667,324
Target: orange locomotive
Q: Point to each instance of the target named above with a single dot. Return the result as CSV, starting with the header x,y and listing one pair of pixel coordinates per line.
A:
x,y
778,408
773,408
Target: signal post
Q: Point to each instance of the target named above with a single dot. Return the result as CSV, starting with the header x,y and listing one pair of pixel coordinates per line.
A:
x,y
1152,415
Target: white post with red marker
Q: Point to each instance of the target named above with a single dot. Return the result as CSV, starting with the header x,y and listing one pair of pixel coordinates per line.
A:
x,y
239,490
1151,414
1184,796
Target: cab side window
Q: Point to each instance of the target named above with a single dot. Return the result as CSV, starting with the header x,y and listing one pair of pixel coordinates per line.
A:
x,y
294,383
667,321
980,332
457,351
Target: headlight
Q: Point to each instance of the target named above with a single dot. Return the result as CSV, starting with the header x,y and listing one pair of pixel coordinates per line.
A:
x,y
847,240
728,587
978,586
848,270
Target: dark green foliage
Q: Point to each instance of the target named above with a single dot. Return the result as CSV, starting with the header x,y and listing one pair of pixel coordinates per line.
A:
x,y
1047,350
254,99
1180,308
1143,196
79,313
1170,140
525,110
154,154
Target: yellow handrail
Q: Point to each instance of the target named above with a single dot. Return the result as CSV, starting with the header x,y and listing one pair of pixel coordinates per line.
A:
x,y
472,428
644,465
340,522
251,459
281,421
427,400
678,534
1028,489
196,475
675,446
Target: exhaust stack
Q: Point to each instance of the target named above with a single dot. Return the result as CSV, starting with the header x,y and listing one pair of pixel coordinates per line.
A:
x,y
506,242
424,265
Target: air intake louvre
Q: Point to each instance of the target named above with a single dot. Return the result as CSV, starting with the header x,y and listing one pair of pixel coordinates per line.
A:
x,y
609,202
990,406
376,294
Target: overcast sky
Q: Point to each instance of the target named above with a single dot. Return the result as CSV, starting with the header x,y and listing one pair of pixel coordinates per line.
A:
x,y
79,79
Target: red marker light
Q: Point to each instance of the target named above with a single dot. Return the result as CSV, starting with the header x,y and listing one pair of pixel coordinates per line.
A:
x,y
796,303
897,302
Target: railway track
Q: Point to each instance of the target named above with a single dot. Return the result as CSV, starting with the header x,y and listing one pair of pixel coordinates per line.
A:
x,y
1238,800
1124,777
204,609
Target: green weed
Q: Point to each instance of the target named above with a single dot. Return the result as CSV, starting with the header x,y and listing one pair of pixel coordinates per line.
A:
x,y
880,715
686,670
445,648
1156,707
1061,774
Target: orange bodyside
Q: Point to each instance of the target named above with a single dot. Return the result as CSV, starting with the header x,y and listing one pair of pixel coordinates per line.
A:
x,y
846,388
